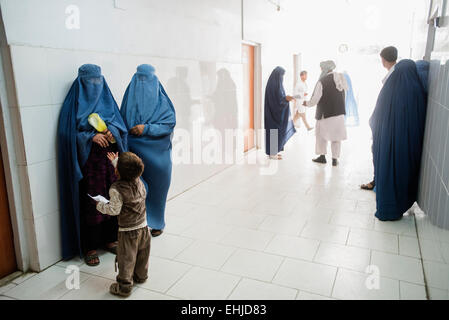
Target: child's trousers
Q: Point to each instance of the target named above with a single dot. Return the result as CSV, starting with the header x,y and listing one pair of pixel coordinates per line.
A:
x,y
133,253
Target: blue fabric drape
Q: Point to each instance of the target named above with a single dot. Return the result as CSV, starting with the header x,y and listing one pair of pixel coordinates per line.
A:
x,y
352,112
146,102
277,114
397,124
89,93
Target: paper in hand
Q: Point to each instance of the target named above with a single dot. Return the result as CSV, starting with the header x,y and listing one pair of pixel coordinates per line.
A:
x,y
99,198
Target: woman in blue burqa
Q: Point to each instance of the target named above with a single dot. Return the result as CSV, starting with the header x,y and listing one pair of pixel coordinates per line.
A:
x,y
84,167
279,126
150,116
397,124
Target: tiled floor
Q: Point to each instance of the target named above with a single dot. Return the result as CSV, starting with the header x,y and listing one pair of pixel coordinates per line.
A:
x,y
306,232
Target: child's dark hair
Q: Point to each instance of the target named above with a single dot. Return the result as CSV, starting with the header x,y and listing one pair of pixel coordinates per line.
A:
x,y
129,166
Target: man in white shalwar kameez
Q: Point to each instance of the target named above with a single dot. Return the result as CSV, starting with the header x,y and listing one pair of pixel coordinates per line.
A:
x,y
300,93
329,96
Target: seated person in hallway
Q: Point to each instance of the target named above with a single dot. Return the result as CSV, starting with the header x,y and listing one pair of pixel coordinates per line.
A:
x,y
150,116
329,96
127,202
397,124
279,127
300,94
84,167
389,56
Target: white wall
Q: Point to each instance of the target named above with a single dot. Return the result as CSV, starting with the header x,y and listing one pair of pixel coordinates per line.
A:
x,y
197,37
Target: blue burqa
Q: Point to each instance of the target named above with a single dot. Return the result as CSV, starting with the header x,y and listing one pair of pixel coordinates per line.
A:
x,y
423,72
397,124
145,102
88,94
352,112
278,127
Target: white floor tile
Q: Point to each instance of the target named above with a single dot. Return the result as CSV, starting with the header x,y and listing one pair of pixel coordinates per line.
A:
x,y
408,246
405,226
249,289
49,284
207,231
283,225
336,204
374,240
343,256
352,285
253,264
437,275
105,269
398,267
23,277
144,294
310,296
7,287
94,288
163,273
307,276
203,284
410,291
325,232
168,245
206,254
355,220
177,224
438,294
431,250
293,247
244,219
247,238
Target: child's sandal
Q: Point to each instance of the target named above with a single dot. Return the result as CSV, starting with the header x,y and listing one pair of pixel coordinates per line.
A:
x,y
115,290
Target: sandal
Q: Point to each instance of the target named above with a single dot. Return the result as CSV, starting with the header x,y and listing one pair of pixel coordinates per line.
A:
x,y
156,233
91,257
115,290
368,186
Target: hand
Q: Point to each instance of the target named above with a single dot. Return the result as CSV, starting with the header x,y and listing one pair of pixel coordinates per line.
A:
x,y
109,135
112,156
101,140
304,103
289,98
137,130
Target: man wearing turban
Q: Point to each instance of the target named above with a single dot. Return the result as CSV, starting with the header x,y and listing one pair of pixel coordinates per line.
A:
x,y
329,97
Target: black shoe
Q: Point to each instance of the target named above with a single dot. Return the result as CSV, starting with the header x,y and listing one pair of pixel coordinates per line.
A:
x,y
320,159
334,162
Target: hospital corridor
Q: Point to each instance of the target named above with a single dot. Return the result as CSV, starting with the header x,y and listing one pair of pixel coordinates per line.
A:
x,y
223,150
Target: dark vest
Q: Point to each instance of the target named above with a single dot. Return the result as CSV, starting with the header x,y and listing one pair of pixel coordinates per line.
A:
x,y
332,102
133,211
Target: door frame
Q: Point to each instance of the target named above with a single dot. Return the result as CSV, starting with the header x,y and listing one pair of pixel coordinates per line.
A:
x,y
258,111
15,165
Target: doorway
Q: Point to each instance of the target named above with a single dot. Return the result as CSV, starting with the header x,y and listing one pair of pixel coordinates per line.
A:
x,y
248,96
7,255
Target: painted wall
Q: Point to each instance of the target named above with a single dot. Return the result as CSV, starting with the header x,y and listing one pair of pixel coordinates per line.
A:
x,y
194,45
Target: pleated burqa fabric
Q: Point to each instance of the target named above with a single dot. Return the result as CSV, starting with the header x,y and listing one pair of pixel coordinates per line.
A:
x,y
146,102
279,126
88,94
397,124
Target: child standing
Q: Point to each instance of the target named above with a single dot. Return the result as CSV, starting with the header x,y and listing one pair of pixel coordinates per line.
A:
x,y
127,202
